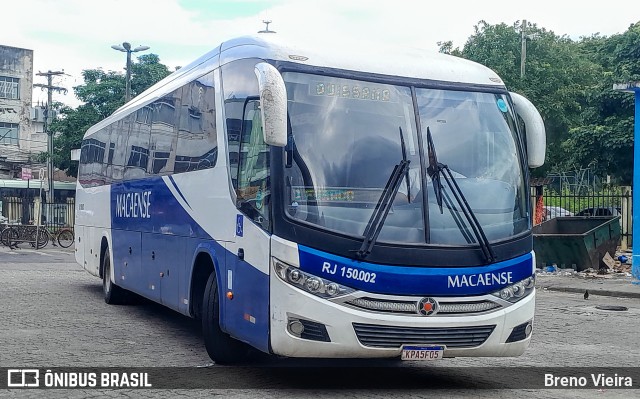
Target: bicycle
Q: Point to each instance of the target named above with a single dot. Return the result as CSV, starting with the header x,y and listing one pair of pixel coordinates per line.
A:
x,y
17,234
65,237
8,236
14,235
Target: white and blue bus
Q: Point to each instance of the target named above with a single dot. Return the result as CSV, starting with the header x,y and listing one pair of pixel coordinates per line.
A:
x,y
319,204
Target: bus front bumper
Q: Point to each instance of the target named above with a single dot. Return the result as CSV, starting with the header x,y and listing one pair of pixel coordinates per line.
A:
x,y
331,328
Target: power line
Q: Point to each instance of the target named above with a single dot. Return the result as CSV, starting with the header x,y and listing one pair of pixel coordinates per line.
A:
x,y
50,89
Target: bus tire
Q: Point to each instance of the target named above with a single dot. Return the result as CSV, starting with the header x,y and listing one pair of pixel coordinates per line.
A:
x,y
221,347
113,295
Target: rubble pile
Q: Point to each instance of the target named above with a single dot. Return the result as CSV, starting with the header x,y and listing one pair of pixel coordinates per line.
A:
x,y
611,267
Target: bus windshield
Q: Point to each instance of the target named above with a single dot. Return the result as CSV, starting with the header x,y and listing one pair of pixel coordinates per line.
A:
x,y
346,137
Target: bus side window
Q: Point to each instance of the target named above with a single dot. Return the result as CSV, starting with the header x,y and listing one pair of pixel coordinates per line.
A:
x,y
253,172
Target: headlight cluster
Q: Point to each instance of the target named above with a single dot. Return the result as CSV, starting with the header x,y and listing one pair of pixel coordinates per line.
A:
x,y
308,282
517,291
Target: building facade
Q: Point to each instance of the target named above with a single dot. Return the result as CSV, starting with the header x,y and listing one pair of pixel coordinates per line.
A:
x,y
19,138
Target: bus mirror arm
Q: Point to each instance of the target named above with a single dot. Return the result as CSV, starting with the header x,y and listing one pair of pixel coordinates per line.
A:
x,y
273,104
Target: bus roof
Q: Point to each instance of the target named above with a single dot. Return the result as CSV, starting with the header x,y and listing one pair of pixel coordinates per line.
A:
x,y
372,58
363,57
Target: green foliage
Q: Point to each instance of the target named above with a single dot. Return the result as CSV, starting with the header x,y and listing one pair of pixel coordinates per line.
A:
x,y
447,48
570,82
71,126
102,93
146,72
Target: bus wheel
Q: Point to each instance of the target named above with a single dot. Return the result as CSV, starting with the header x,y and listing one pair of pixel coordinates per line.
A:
x,y
221,348
113,295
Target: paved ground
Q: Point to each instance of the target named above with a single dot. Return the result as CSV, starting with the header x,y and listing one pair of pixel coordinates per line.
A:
x,y
612,285
52,314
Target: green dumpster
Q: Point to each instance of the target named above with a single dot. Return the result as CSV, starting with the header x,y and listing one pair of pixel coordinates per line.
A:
x,y
576,242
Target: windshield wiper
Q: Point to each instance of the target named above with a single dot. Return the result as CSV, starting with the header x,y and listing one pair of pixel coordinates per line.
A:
x,y
382,209
404,158
437,170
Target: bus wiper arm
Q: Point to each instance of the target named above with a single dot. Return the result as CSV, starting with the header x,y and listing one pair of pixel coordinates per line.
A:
x,y
436,170
404,158
382,209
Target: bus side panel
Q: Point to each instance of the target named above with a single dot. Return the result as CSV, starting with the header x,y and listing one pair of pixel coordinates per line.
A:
x,y
80,239
246,316
126,248
93,210
92,249
163,260
247,262
151,264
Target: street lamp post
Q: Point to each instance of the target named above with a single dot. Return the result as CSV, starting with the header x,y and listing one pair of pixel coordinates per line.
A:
x,y
126,48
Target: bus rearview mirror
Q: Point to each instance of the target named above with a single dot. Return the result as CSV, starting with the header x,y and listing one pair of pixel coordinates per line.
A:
x,y
535,131
273,104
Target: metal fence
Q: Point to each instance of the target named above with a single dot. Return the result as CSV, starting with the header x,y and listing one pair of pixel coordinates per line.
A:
x,y
33,211
605,201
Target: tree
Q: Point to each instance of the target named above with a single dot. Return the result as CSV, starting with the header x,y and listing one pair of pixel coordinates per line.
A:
x,y
102,93
604,141
557,76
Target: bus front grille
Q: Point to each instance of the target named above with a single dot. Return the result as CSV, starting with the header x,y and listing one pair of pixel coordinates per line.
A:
x,y
379,336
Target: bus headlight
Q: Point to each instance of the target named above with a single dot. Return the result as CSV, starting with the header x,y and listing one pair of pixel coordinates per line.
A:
x,y
308,282
517,291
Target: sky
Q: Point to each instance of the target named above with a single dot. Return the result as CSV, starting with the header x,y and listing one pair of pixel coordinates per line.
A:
x,y
73,35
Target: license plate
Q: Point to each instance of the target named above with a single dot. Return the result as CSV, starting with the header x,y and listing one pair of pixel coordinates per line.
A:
x,y
417,352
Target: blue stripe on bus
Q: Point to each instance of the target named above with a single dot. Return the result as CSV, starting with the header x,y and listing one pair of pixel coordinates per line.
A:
x,y
178,191
424,281
147,217
149,206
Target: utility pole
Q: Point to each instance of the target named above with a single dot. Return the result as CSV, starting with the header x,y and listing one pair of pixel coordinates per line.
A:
x,y
523,52
47,116
523,39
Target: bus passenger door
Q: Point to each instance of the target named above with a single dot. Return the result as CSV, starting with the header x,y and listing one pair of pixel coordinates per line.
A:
x,y
246,313
249,254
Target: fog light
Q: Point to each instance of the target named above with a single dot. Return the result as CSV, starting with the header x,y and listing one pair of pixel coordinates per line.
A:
x,y
296,328
528,329
520,332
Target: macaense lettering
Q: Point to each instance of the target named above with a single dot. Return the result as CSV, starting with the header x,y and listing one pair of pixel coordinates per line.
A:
x,y
133,205
480,279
